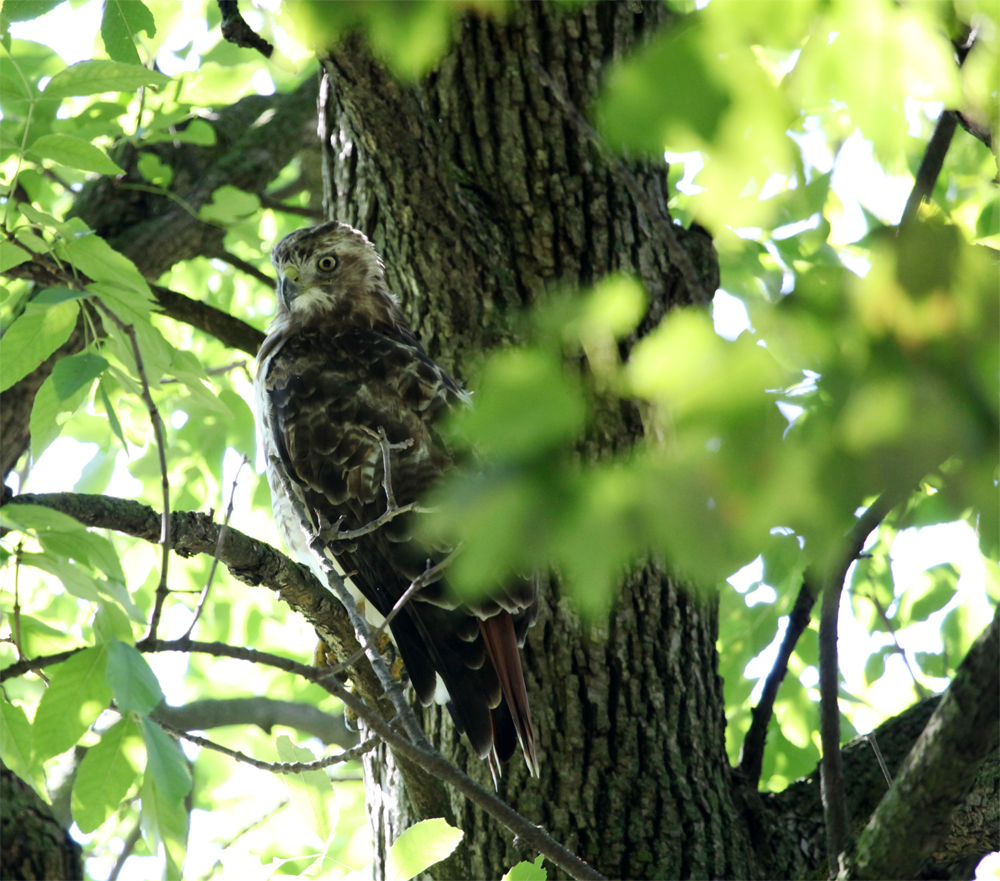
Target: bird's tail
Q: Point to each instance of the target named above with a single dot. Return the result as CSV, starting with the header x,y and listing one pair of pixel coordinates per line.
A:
x,y
501,644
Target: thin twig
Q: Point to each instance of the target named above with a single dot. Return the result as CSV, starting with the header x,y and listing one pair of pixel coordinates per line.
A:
x,y
212,371
39,663
127,849
832,778
678,256
242,265
752,752
154,416
348,755
419,582
280,806
218,548
921,691
878,755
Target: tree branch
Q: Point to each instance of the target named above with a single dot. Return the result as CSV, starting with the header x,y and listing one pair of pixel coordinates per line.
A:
x,y
834,797
752,751
914,815
236,30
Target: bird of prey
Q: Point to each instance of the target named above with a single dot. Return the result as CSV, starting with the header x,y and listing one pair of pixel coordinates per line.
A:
x,y
344,389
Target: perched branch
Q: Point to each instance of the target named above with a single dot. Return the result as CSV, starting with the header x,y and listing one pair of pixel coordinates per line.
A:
x,y
834,797
426,757
914,815
440,767
752,751
161,448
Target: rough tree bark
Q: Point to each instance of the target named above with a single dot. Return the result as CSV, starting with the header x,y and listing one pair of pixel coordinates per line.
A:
x,y
483,194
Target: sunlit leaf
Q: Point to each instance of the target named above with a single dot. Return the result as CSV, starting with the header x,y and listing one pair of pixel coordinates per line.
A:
x,y
419,847
74,153
35,335
106,774
311,793
120,25
135,685
527,871
76,696
94,77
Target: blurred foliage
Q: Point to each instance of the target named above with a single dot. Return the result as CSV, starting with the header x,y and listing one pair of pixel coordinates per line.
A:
x,y
868,360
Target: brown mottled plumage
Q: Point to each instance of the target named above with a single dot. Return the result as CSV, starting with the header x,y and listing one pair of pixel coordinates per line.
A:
x,y
338,365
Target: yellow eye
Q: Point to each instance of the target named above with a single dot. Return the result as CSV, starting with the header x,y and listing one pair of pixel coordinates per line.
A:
x,y
327,264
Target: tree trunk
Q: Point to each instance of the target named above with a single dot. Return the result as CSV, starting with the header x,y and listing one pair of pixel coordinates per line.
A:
x,y
482,193
34,844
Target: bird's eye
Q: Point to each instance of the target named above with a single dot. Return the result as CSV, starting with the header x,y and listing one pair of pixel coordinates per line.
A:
x,y
327,264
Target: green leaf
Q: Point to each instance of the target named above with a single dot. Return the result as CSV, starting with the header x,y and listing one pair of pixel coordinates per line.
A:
x,y
875,665
165,764
311,793
422,845
74,153
76,696
11,255
75,372
535,385
94,77
931,590
52,296
229,206
635,111
15,739
122,21
135,685
95,258
38,518
110,622
26,10
525,871
156,172
35,335
197,132
164,821
49,414
74,579
106,774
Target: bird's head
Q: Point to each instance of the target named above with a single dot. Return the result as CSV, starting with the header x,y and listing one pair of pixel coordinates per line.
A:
x,y
332,272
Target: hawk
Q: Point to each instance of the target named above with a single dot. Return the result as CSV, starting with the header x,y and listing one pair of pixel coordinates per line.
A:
x,y
344,388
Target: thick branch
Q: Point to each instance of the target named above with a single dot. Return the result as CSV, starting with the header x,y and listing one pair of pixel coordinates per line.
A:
x,y
911,820
250,561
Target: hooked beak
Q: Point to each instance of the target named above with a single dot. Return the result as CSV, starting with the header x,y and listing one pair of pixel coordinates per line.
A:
x,y
288,287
